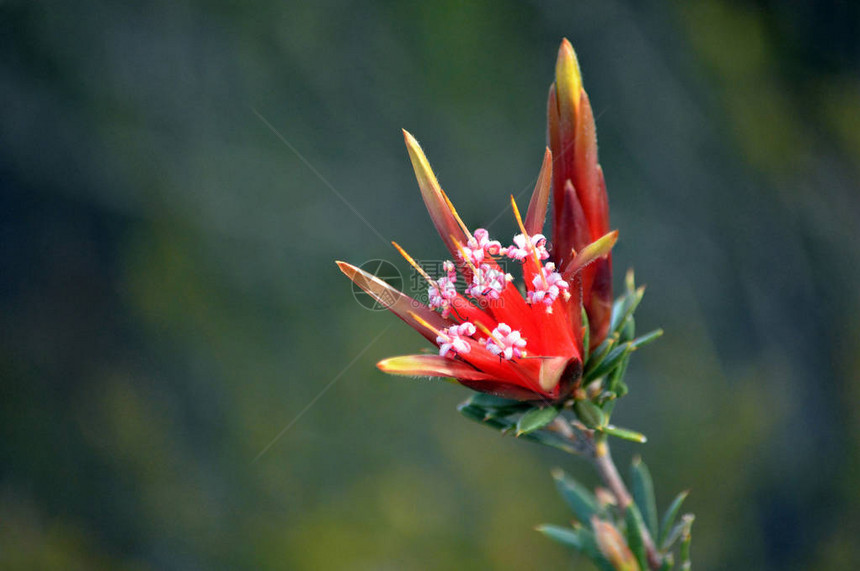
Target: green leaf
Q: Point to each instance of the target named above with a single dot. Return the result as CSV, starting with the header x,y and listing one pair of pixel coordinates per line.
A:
x,y
589,413
609,363
685,544
535,419
647,338
581,539
630,281
577,496
472,412
486,400
497,407
628,332
671,515
554,441
635,525
484,416
643,494
564,535
680,531
624,308
616,377
668,562
586,335
503,425
624,433
600,352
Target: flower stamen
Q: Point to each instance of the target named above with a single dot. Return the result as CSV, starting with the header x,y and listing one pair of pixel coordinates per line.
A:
x,y
505,342
548,286
488,282
441,293
453,340
528,241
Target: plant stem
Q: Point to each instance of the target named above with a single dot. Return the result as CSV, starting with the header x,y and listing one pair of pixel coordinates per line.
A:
x,y
610,476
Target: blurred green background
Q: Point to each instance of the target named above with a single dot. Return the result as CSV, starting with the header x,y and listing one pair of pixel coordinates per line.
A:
x,y
169,303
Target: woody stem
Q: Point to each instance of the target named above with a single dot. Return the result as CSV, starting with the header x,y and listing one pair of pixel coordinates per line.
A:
x,y
610,476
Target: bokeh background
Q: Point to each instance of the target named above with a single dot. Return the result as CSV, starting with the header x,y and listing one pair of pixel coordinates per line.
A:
x,y
188,383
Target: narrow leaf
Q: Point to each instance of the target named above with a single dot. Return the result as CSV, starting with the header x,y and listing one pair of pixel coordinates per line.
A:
x,y
643,494
581,539
535,419
671,515
685,543
581,501
624,433
586,336
647,338
498,406
488,417
487,400
599,353
680,531
481,415
635,525
630,281
609,363
628,332
564,535
617,375
624,307
555,441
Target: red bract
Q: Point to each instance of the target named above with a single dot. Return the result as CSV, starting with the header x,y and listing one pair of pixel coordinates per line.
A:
x,y
580,204
491,338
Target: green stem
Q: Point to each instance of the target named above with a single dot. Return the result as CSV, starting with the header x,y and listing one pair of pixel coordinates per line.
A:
x,y
610,476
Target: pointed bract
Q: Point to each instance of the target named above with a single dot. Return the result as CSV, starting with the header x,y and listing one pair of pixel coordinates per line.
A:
x,y
431,366
580,204
597,249
568,78
434,197
536,215
397,302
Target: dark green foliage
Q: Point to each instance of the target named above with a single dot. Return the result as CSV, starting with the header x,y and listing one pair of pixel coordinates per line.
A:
x,y
639,519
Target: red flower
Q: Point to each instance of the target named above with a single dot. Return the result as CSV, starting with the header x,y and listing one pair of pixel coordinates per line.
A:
x,y
580,204
491,338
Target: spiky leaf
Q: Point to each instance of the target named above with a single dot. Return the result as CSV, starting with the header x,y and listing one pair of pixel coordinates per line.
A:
x,y
643,494
671,515
578,497
635,525
581,539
